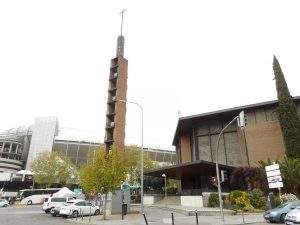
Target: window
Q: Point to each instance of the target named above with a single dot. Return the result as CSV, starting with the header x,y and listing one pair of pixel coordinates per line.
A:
x,y
58,200
80,203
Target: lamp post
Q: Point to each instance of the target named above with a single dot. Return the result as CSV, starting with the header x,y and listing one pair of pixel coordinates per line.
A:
x,y
165,176
241,122
142,151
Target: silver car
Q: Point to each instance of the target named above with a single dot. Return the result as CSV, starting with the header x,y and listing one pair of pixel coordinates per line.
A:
x,y
278,214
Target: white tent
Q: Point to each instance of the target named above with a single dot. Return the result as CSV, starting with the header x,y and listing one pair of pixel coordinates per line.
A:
x,y
64,192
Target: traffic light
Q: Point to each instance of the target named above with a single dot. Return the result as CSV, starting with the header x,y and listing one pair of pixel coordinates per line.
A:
x,y
214,181
242,119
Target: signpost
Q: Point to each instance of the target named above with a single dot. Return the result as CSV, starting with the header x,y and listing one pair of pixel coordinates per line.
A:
x,y
274,176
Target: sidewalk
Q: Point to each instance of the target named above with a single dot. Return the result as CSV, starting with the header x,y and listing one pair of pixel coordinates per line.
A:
x,y
161,217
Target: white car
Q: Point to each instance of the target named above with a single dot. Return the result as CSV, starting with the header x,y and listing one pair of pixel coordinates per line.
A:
x,y
34,199
52,202
77,208
4,203
293,217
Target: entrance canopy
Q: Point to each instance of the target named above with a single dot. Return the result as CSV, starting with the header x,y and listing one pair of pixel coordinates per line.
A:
x,y
189,170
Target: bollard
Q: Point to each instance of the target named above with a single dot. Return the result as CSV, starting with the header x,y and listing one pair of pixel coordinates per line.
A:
x,y
145,219
90,214
172,218
197,221
243,216
82,215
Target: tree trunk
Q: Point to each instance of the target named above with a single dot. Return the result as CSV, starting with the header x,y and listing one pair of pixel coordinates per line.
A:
x,y
104,208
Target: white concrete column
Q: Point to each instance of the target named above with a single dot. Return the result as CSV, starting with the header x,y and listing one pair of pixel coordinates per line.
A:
x,y
2,149
17,147
10,147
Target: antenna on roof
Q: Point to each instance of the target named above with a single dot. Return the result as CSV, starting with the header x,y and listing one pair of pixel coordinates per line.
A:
x,y
122,13
121,39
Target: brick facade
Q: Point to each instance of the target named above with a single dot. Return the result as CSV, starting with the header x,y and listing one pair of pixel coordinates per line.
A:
x,y
196,136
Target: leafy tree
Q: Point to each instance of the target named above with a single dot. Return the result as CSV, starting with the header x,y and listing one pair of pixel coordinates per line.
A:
x,y
133,163
248,178
287,113
290,170
53,168
104,174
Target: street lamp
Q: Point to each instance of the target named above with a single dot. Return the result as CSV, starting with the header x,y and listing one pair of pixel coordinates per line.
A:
x,y
142,151
241,123
165,176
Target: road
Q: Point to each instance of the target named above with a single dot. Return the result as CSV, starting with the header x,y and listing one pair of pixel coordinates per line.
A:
x,y
28,215
33,215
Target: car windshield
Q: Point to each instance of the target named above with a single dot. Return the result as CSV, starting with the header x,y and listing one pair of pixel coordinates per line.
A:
x,y
282,205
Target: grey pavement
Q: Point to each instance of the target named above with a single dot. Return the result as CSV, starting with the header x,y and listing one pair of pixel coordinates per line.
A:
x,y
28,215
33,215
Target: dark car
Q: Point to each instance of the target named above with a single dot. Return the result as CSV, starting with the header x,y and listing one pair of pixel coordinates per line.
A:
x,y
278,214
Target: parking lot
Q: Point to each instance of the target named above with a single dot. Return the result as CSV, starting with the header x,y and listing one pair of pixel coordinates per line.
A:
x,y
28,215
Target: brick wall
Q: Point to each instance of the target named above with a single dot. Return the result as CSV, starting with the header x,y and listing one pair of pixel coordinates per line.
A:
x,y
264,140
120,110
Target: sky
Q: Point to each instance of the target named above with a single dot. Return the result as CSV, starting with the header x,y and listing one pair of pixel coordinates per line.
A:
x,y
185,58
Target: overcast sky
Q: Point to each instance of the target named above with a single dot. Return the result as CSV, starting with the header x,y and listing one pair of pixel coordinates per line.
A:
x,y
192,56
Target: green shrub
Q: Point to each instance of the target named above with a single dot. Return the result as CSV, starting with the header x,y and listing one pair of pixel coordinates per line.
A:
x,y
213,200
240,199
277,200
257,199
248,208
243,202
233,195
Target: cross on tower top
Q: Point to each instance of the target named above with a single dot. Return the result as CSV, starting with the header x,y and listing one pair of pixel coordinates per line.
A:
x,y
122,13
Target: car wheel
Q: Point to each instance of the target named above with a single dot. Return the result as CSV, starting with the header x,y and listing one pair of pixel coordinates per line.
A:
x,y
75,214
29,202
282,217
97,212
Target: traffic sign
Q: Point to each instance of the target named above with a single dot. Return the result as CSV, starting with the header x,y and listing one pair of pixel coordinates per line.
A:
x,y
276,185
273,173
272,167
274,179
274,176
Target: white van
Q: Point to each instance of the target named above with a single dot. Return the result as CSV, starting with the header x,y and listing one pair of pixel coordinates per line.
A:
x,y
52,202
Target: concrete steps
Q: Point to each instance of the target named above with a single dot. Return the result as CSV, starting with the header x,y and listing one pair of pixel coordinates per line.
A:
x,y
191,211
170,200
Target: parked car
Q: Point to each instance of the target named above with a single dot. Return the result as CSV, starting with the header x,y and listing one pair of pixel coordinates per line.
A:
x,y
77,208
55,211
293,217
4,203
278,214
52,202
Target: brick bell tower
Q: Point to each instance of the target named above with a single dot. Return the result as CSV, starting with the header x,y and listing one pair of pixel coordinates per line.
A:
x,y
117,90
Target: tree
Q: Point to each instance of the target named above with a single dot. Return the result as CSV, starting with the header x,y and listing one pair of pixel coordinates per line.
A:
x,y
287,113
248,178
290,170
133,164
52,168
104,174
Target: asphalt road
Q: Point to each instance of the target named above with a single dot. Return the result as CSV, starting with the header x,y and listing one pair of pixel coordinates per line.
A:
x,y
28,215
